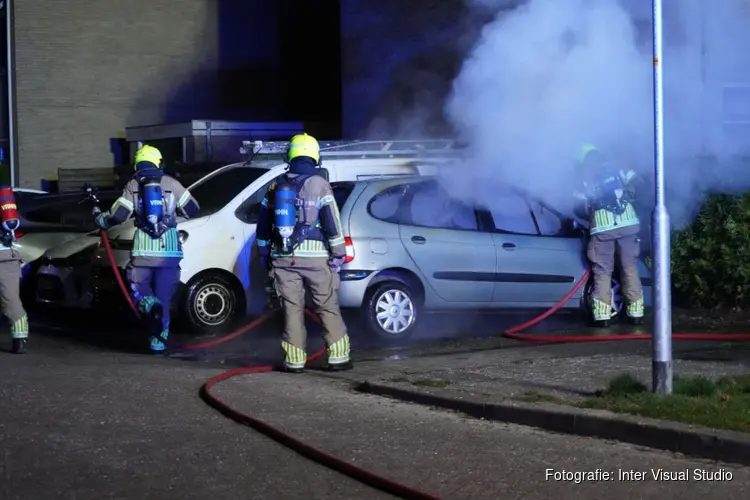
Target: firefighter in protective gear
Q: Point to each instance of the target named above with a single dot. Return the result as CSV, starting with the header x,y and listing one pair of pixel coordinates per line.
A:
x,y
300,231
10,273
607,200
153,199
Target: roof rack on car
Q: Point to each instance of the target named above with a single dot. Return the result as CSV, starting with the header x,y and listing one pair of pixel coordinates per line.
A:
x,y
363,149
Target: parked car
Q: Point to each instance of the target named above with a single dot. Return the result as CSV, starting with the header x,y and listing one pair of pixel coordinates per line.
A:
x,y
218,283
64,274
48,220
57,212
412,247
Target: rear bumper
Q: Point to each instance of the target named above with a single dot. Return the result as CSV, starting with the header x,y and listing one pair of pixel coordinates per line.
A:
x,y
354,284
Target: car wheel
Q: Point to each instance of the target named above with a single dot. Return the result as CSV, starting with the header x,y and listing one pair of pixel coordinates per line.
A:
x,y
392,310
211,304
617,299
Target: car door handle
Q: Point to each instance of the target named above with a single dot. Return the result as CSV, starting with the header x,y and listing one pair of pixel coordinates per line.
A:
x,y
509,246
419,240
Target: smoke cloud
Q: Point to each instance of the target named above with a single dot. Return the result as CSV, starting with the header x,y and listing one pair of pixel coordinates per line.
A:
x,y
550,74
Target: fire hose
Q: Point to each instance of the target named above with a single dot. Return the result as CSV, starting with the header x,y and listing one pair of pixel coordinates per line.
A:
x,y
357,473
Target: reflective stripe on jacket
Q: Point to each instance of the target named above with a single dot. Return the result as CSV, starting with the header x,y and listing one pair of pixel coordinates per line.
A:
x,y
603,220
321,207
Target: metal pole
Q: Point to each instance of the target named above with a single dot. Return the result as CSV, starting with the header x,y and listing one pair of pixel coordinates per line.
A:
x,y
662,287
11,70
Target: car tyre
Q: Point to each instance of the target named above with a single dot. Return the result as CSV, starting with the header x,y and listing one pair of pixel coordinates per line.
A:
x,y
211,304
392,311
618,303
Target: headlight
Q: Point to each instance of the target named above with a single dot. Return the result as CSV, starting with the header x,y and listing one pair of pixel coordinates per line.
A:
x,y
182,236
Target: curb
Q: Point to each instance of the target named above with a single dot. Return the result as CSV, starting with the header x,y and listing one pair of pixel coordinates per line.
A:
x,y
724,446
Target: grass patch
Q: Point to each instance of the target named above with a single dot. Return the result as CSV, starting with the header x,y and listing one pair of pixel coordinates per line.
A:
x,y
429,382
399,379
538,397
723,403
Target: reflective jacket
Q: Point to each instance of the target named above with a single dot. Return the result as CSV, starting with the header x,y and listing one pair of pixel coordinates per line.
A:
x,y
319,204
148,251
604,220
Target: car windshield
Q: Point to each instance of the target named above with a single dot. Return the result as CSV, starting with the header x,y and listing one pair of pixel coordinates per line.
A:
x,y
214,193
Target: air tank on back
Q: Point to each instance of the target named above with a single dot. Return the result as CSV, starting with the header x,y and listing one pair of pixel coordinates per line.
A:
x,y
285,214
8,209
153,204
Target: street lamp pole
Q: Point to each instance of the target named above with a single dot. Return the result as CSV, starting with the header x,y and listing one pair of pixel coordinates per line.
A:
x,y
662,286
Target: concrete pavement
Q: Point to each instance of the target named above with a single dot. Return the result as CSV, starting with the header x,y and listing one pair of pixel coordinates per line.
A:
x,y
81,422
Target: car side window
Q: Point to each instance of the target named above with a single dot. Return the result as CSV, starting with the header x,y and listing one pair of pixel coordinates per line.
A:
x,y
431,206
249,209
511,214
385,205
549,223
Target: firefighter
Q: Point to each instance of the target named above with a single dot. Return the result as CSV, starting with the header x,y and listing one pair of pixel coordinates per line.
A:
x,y
608,195
10,272
153,199
299,230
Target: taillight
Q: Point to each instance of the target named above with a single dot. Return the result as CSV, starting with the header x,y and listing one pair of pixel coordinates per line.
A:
x,y
349,250
18,235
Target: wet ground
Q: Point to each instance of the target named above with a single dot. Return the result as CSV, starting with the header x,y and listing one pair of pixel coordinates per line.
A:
x,y
85,416
437,333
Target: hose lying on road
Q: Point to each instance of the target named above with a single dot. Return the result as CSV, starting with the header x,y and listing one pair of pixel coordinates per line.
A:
x,y
515,332
330,461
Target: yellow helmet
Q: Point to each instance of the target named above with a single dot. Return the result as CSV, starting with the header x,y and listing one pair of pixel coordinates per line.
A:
x,y
149,154
304,145
586,148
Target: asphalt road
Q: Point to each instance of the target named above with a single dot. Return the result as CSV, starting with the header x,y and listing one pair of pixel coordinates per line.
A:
x,y
85,419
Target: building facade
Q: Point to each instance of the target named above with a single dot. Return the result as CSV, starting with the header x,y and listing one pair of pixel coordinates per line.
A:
x,y
85,70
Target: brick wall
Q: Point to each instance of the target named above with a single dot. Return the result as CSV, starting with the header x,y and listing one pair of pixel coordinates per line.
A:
x,y
86,69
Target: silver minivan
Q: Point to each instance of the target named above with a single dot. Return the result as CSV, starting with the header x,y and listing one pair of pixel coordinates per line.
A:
x,y
412,248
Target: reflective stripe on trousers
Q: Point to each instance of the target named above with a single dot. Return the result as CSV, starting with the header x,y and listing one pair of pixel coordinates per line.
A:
x,y
20,328
338,352
294,356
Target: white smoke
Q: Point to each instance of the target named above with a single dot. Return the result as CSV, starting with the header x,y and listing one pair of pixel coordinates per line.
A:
x,y
551,74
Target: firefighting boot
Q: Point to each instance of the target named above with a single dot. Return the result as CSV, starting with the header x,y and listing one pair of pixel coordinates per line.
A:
x,y
294,358
635,312
19,346
154,320
602,313
340,367
289,369
635,320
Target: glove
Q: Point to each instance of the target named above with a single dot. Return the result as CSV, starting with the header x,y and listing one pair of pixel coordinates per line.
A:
x,y
100,219
264,253
335,263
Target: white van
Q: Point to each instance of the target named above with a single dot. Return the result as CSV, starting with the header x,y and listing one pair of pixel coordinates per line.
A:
x,y
219,241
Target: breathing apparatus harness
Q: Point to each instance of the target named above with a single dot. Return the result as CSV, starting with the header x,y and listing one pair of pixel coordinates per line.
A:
x,y
606,190
155,213
9,218
291,228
